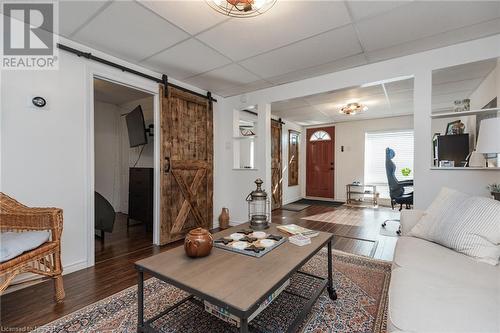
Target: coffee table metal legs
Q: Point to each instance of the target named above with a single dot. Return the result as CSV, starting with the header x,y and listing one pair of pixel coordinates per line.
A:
x,y
331,291
244,326
140,301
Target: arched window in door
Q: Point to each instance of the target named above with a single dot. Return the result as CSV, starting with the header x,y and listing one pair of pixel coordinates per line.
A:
x,y
320,136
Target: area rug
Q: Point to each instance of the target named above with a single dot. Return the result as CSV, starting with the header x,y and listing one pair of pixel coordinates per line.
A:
x,y
361,284
295,207
319,203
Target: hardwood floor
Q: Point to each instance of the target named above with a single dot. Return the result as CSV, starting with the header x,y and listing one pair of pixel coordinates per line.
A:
x,y
30,307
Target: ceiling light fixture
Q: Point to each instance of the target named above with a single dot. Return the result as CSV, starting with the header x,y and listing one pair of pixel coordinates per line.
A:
x,y
353,108
241,8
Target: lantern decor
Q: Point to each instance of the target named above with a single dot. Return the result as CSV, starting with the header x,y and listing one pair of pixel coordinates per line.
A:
x,y
259,207
241,8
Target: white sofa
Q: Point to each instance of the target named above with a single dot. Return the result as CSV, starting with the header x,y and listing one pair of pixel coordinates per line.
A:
x,y
435,289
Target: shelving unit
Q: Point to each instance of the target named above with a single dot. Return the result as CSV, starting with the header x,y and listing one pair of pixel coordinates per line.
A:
x,y
463,113
355,195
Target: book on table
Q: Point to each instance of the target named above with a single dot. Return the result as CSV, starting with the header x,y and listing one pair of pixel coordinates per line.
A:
x,y
293,229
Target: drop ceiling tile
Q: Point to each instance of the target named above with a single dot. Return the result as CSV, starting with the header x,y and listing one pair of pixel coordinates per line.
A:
x,y
334,66
400,85
73,14
223,78
365,9
440,40
324,48
473,70
240,89
186,59
450,87
286,22
192,16
121,30
423,19
289,104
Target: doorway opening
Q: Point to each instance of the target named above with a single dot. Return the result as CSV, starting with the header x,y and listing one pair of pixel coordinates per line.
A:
x,y
123,169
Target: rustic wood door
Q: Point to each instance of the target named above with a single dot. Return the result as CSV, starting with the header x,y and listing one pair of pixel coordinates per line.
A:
x,y
276,172
186,164
320,162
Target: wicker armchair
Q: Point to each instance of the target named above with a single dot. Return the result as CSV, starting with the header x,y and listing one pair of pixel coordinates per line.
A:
x,y
45,259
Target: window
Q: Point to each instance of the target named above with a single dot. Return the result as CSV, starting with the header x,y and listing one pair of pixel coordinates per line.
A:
x,y
320,136
375,144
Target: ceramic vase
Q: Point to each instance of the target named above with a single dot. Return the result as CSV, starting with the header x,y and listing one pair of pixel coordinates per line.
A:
x,y
224,218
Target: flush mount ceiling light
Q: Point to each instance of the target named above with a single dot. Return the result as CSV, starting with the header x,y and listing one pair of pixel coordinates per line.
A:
x,y
241,8
353,108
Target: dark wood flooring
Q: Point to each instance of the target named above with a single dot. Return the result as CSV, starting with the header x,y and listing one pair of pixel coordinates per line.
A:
x,y
33,306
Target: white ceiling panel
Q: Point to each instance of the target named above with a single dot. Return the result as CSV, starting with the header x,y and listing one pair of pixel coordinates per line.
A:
x,y
330,67
439,40
318,50
365,9
128,30
423,19
192,16
73,14
286,22
223,78
240,89
464,72
196,58
449,87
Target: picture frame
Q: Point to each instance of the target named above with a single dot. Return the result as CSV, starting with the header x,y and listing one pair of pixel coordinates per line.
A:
x,y
449,127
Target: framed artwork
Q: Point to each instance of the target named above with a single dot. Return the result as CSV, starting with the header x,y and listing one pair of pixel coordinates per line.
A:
x,y
449,127
293,157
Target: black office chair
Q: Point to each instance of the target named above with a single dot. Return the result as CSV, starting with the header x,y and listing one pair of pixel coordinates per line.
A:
x,y
104,215
399,196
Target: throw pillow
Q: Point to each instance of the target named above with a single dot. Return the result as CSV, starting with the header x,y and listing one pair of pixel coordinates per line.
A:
x,y
469,225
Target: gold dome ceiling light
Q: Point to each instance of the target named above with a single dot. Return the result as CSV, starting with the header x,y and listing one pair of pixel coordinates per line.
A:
x,y
241,8
353,108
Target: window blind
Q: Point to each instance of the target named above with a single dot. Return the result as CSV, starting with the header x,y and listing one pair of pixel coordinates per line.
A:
x,y
375,144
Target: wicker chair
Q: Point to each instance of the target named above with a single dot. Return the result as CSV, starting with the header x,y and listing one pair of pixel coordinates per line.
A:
x,y
45,259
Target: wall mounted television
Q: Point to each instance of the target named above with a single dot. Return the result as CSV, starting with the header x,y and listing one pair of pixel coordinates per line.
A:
x,y
136,127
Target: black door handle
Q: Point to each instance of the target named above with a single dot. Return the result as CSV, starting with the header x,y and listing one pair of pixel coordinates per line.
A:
x,y
167,164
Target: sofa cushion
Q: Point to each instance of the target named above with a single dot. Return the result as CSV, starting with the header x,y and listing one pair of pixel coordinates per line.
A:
x,y
420,301
434,259
13,244
470,225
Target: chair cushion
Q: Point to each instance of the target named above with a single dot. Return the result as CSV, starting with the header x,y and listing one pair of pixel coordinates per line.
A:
x,y
13,244
469,225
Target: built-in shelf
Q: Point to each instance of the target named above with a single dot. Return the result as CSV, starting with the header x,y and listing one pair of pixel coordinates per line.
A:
x,y
248,169
465,168
462,113
244,137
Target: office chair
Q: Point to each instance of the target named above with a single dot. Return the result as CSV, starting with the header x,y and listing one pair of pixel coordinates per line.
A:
x,y
396,188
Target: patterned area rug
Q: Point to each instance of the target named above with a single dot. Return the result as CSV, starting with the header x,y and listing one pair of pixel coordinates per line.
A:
x,y
362,284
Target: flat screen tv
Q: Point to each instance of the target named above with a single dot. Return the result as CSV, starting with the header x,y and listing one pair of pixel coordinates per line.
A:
x,y
136,127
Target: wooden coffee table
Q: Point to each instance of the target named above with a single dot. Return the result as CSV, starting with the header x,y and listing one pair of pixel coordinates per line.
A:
x,y
235,282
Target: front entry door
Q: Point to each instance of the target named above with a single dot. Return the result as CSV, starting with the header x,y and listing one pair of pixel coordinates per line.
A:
x,y
320,162
187,164
276,177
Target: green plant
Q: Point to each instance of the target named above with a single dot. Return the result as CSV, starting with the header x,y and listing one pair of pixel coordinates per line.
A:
x,y
495,188
406,171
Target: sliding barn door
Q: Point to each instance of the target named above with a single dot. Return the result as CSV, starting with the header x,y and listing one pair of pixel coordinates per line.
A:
x,y
186,164
276,174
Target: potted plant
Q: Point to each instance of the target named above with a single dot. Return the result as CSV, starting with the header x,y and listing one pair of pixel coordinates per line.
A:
x,y
495,190
406,171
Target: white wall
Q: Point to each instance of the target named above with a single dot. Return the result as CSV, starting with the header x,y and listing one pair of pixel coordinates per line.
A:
x,y
290,193
45,154
349,164
427,181
107,132
487,90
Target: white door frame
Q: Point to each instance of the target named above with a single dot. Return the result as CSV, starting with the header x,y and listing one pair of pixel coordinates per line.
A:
x,y
95,70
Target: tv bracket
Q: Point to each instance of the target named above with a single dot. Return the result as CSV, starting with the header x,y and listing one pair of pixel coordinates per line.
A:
x,y
150,129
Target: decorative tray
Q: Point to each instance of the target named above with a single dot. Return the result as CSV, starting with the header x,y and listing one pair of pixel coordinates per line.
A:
x,y
249,242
